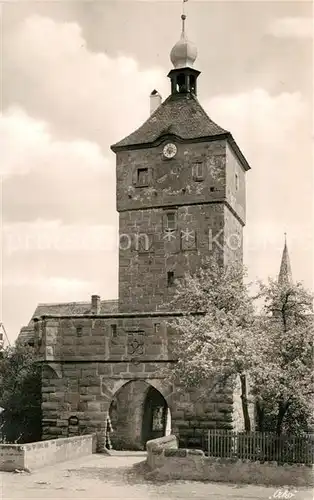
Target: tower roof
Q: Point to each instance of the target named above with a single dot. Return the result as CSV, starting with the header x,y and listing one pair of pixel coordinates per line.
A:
x,y
285,273
180,115
184,52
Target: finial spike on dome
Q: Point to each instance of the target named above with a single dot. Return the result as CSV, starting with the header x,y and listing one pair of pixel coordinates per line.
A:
x,y
183,17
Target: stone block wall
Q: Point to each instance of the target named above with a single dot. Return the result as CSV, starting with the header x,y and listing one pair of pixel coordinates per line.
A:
x,y
111,337
204,187
235,184
11,457
233,238
168,462
143,276
171,182
93,363
126,414
33,456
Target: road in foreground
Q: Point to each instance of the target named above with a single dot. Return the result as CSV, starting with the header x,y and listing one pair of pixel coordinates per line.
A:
x,y
114,478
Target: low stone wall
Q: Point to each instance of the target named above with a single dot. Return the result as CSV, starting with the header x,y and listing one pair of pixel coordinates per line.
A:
x,y
11,457
155,449
168,462
35,455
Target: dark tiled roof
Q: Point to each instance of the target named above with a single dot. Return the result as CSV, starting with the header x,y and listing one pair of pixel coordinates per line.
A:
x,y
74,308
180,115
26,334
63,309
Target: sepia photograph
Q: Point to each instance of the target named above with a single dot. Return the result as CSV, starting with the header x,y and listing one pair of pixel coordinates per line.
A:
x,y
157,249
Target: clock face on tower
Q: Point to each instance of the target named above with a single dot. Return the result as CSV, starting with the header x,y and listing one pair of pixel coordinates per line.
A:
x,y
170,150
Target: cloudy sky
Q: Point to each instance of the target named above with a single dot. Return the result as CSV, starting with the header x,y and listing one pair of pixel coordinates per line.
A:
x,y
76,77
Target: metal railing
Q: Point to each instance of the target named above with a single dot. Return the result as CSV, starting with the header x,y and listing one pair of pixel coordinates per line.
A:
x,y
262,446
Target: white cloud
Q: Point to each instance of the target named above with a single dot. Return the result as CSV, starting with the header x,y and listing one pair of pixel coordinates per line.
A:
x,y
263,123
27,145
89,94
50,178
55,284
291,27
274,133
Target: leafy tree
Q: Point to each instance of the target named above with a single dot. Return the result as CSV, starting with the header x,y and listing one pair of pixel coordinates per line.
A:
x,y
219,338
20,395
214,342
284,387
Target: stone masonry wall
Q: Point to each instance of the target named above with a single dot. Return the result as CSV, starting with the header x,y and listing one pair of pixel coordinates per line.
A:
x,y
143,274
95,361
233,238
126,414
33,456
168,463
197,185
171,182
235,184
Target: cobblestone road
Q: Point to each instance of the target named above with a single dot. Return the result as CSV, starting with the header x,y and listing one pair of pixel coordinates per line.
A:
x,y
100,476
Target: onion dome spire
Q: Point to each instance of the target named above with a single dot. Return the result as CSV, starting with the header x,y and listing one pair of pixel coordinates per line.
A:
x,y
184,52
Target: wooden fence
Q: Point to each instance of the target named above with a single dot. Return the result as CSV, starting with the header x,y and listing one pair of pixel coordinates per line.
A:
x,y
262,446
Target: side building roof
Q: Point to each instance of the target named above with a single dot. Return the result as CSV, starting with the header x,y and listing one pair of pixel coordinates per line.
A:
x,y
26,334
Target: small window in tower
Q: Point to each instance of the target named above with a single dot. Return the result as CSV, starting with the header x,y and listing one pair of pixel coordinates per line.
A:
x,y
170,278
171,221
113,330
142,177
156,327
79,331
236,182
198,171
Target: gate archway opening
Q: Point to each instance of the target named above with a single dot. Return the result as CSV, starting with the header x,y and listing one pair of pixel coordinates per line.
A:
x,y
138,413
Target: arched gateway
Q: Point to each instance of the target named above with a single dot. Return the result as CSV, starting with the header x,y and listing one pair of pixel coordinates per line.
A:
x,y
138,413
180,198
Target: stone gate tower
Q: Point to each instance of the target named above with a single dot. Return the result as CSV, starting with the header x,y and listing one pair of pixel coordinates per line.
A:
x,y
180,192
180,198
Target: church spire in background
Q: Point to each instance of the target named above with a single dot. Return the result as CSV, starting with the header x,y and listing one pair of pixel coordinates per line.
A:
x,y
285,274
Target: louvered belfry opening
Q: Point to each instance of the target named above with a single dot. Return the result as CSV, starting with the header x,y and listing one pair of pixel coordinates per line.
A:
x,y
183,81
